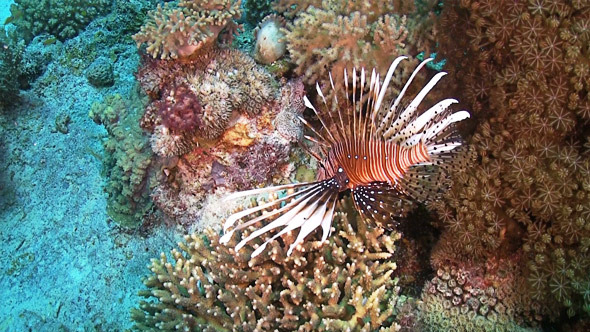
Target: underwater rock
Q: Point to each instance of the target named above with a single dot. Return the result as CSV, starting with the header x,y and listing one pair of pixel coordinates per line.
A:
x,y
61,123
37,55
10,60
100,73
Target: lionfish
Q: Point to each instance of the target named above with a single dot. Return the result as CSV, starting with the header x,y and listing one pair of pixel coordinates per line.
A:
x,y
381,156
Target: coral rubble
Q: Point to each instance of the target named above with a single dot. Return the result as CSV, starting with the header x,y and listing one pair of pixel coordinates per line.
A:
x,y
345,284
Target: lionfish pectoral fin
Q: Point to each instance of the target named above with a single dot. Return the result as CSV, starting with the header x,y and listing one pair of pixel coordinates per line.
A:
x,y
379,202
236,216
322,216
306,209
293,209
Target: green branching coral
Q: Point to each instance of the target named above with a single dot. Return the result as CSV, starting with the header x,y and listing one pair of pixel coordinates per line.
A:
x,y
334,35
345,284
179,31
127,159
61,18
523,69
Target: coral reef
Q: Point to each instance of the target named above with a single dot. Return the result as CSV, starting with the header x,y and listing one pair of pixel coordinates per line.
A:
x,y
344,284
230,81
334,35
180,109
291,104
128,158
270,40
178,31
213,119
523,69
61,18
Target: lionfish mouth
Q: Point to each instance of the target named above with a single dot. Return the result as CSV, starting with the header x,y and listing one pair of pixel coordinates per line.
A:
x,y
384,155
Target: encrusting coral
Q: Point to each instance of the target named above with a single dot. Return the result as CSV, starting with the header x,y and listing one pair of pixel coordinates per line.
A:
x,y
523,67
334,35
128,158
178,31
344,284
61,18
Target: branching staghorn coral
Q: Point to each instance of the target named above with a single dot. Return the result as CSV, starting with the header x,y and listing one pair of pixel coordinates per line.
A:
x,y
523,68
333,35
173,32
345,284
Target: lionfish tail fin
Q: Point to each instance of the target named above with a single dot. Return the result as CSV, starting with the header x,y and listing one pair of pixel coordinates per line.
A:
x,y
310,206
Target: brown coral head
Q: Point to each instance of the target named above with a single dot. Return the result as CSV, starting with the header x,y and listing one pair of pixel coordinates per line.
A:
x,y
180,109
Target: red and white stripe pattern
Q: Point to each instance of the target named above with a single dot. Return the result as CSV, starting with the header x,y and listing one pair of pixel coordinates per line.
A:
x,y
381,154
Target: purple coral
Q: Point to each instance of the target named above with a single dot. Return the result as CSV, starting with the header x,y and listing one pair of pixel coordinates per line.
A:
x,y
180,110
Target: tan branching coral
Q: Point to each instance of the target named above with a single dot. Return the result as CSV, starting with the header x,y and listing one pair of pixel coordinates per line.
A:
x,y
334,35
344,284
173,32
522,67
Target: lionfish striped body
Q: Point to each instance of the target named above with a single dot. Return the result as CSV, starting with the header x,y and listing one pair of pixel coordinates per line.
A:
x,y
381,155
